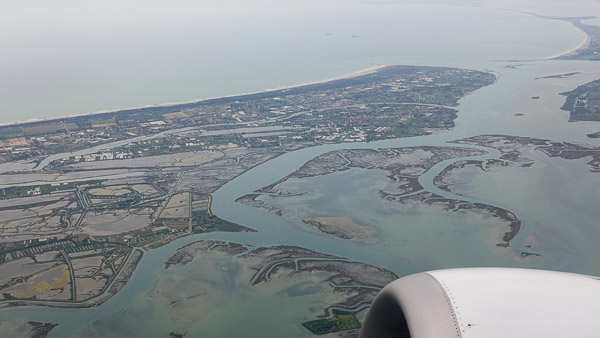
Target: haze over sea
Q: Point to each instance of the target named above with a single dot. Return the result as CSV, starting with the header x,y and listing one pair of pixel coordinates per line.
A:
x,y
74,57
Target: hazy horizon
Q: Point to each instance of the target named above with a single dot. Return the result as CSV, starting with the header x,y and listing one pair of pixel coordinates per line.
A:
x,y
80,57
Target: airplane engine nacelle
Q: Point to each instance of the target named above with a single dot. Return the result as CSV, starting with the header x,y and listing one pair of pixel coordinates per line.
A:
x,y
486,302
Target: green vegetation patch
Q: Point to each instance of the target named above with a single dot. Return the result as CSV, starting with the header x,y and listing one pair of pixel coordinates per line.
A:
x,y
341,321
102,121
203,222
10,132
49,128
584,102
145,117
26,191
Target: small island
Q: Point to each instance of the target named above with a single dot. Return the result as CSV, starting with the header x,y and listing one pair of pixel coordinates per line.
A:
x,y
583,102
345,288
594,135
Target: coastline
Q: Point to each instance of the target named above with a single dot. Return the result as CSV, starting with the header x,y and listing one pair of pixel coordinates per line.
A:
x,y
566,55
573,51
365,71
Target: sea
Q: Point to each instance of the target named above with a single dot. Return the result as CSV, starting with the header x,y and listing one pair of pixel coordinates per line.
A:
x,y
78,57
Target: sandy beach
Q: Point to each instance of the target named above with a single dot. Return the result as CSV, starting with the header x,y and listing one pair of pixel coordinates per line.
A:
x,y
361,72
585,43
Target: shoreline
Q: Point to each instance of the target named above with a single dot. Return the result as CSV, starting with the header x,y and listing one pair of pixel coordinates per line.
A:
x,y
573,51
365,71
566,54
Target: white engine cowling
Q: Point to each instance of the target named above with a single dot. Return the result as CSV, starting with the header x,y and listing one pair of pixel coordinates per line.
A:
x,y
486,302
